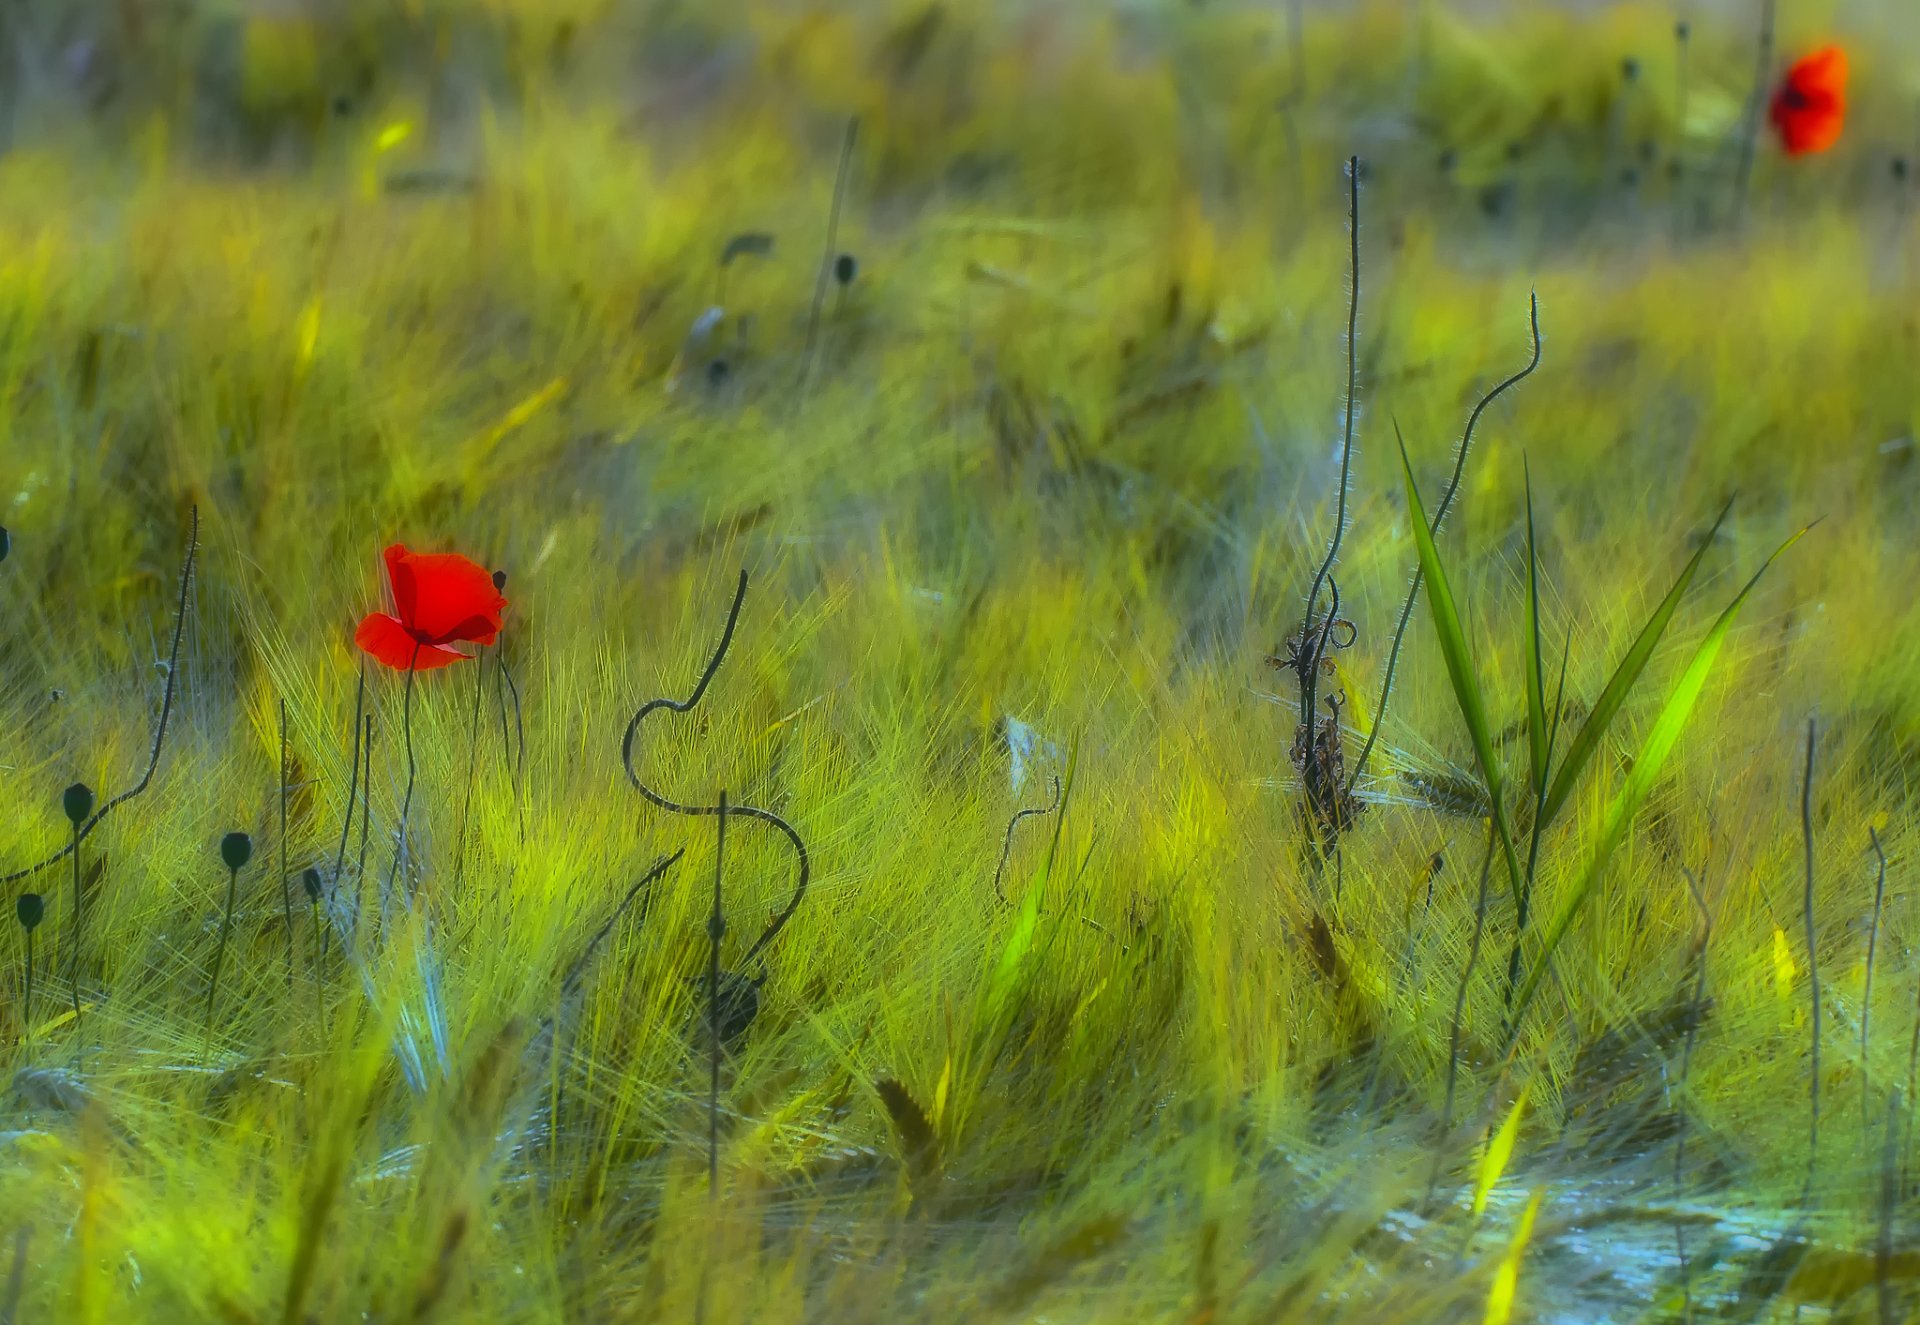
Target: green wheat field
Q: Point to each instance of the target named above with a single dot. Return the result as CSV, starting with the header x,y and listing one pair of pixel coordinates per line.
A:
x,y
1169,871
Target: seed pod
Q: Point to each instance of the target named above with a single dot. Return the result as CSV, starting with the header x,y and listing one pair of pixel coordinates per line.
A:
x,y
236,849
77,801
32,909
845,268
310,880
6,542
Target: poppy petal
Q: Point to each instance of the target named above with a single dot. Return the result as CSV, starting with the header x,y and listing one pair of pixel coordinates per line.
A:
x,y
387,641
1809,110
474,630
400,577
449,594
1825,70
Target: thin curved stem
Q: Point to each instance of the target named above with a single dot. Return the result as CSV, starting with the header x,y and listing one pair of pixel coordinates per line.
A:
x,y
1006,846
406,798
716,930
1439,515
1310,673
220,953
1459,1013
160,729
826,261
353,794
473,765
73,962
1813,968
654,798
286,886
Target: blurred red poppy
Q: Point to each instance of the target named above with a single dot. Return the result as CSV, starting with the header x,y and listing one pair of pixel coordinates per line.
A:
x,y
439,599
1810,108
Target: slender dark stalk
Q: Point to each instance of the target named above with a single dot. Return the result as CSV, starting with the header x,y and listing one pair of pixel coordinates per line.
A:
x,y
519,737
406,797
353,792
1889,1205
1866,991
160,728
73,962
26,1013
1539,815
1680,1110
1813,968
716,929
286,883
220,952
826,260
1459,1014
1323,801
1750,128
1439,515
16,1276
654,798
473,765
366,822
1006,846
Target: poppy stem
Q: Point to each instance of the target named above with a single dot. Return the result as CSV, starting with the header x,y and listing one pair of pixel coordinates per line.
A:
x,y
517,756
353,791
826,259
406,797
366,821
473,765
286,889
716,928
1750,131
26,1013
220,954
73,962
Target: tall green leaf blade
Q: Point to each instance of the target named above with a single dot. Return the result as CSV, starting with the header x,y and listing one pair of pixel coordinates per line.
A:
x,y
1646,769
1536,678
1587,743
1466,685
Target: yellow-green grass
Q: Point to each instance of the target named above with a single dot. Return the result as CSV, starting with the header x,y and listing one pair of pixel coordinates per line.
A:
x,y
1065,452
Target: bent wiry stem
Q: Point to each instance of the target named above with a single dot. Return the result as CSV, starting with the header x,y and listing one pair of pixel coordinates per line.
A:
x,y
1439,515
1317,796
779,921
159,731
1006,846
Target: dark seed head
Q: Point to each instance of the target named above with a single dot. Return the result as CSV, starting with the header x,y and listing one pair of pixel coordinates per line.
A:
x,y
1682,30
6,542
1898,166
31,908
1629,69
845,268
236,849
342,106
310,880
717,372
77,801
1449,159
499,581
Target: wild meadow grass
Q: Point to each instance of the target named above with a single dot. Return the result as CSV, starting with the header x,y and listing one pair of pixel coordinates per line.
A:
x,y
1085,1006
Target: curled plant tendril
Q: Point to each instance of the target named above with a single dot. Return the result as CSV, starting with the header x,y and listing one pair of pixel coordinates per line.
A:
x,y
87,825
686,705
1006,847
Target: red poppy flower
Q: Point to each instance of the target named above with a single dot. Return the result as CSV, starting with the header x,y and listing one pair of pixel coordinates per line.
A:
x,y
1811,106
439,599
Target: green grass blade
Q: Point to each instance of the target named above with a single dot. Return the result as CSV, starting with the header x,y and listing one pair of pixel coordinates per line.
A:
x,y
1536,678
1466,686
1621,684
1646,769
